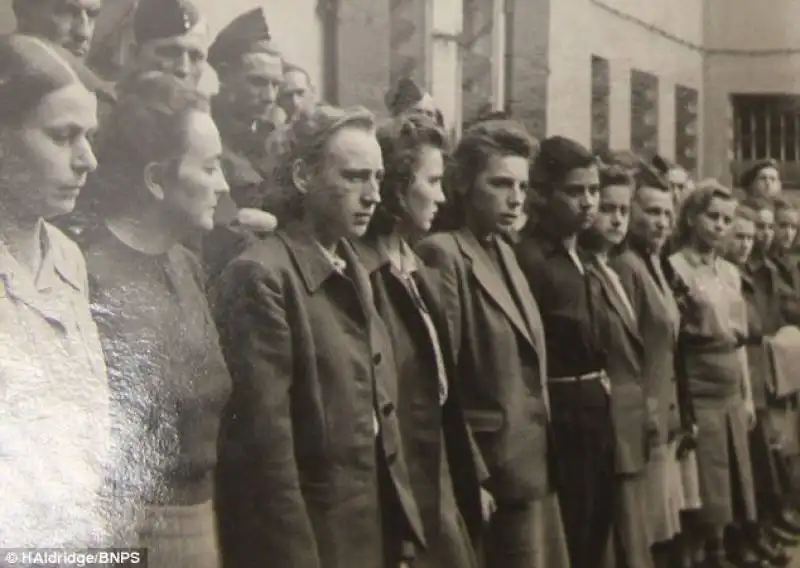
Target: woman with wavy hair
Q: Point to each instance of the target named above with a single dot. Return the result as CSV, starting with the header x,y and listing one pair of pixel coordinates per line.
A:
x,y
497,342
160,153
713,356
435,436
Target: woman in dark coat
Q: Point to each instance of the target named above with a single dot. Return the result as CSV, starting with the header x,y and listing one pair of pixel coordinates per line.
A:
x,y
714,322
311,459
634,433
435,437
497,340
161,150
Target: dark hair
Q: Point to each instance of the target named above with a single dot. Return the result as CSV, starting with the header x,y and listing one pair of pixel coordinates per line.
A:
x,y
615,175
472,154
147,125
401,140
695,204
30,69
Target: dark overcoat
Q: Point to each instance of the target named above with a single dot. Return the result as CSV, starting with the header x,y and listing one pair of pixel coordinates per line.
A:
x,y
313,372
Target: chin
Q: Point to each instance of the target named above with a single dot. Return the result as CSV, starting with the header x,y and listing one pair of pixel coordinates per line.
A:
x,y
358,231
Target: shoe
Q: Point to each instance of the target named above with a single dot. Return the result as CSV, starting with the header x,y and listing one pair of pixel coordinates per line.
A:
x,y
791,519
781,537
745,557
774,554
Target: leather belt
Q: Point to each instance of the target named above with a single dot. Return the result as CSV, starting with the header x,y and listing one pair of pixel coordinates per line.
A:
x,y
601,376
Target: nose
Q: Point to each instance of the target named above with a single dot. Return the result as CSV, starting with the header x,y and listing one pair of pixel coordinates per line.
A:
x,y
372,192
84,160
271,93
517,196
221,183
82,27
438,196
182,66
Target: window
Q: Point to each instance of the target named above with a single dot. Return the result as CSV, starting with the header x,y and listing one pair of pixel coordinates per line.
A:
x,y
445,63
601,109
644,113
686,127
766,126
484,43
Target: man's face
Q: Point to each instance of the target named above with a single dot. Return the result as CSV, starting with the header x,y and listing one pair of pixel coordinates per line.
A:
x,y
252,87
183,56
68,23
296,94
344,189
767,183
613,214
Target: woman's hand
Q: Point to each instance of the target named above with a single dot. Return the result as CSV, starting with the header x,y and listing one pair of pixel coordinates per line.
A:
x,y
488,505
256,220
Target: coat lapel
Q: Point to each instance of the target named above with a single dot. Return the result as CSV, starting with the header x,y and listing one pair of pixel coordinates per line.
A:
x,y
492,282
612,296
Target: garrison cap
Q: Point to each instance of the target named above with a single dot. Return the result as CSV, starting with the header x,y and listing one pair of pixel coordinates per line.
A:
x,y
247,33
750,174
557,157
404,95
160,19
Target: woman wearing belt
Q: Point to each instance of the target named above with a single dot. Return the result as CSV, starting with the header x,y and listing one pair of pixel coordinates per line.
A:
x,y
435,437
713,324
672,466
555,268
168,377
496,337
54,427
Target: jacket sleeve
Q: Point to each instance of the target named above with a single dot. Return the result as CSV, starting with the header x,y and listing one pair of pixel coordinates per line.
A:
x,y
259,492
445,272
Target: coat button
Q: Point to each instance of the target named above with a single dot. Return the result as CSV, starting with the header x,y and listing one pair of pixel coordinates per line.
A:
x,y
673,406
387,409
377,358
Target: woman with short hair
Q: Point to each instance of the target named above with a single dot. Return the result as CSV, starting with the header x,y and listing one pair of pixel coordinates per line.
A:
x,y
497,340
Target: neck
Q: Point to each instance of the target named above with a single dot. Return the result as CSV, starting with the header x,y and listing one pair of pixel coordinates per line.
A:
x,y
706,253
22,238
324,238
148,233
570,243
395,242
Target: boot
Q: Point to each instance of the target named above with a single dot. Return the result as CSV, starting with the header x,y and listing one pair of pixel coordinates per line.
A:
x,y
739,550
716,557
780,536
789,519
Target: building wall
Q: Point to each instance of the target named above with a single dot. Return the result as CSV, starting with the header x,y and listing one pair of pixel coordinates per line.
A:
x,y
648,35
749,49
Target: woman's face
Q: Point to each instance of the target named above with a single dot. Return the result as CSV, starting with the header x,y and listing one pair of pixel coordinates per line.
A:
x,y
192,193
652,216
46,159
611,221
711,227
575,200
498,193
424,196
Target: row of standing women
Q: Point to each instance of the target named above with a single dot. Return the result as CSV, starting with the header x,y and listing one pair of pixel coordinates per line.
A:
x,y
357,393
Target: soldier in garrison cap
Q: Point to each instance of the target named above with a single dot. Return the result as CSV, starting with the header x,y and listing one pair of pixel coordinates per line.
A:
x,y
169,36
762,179
68,23
408,97
250,70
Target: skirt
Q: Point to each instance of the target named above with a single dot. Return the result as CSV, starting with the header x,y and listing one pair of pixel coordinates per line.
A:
x,y
180,536
527,535
631,535
672,487
723,461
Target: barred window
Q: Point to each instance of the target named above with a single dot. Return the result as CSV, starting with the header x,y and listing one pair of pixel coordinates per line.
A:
x,y
766,126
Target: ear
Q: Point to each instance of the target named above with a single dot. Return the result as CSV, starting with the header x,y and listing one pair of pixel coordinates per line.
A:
x,y
154,179
301,176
